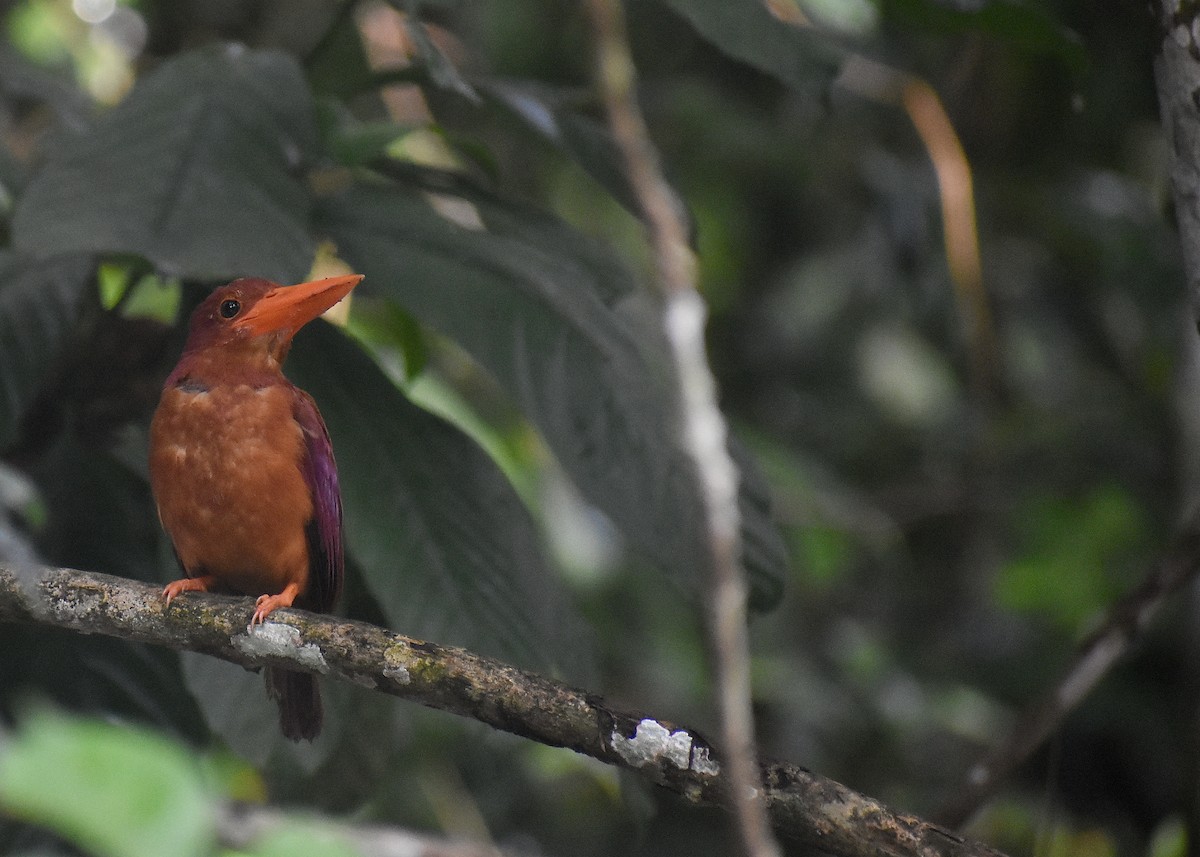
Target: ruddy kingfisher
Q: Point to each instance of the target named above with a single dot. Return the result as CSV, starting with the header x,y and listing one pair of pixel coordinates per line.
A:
x,y
242,468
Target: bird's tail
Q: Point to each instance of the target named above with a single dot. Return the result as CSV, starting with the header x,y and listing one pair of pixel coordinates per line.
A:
x,y
299,699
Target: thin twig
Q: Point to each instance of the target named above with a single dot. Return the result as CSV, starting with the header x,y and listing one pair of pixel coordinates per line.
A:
x,y
1126,622
243,828
803,806
704,427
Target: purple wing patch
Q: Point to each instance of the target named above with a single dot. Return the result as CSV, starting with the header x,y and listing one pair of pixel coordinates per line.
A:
x,y
324,531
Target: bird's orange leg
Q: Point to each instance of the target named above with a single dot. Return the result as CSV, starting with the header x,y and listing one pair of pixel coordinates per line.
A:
x,y
188,584
268,603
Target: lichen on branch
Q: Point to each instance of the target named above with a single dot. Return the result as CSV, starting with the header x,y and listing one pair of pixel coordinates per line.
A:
x,y
803,806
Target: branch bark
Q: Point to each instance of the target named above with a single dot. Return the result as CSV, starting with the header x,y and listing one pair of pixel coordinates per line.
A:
x,y
1177,77
802,805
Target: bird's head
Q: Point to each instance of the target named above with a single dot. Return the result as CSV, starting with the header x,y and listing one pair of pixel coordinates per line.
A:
x,y
249,323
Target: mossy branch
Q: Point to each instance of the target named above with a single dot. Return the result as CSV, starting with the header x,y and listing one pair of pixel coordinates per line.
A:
x,y
803,806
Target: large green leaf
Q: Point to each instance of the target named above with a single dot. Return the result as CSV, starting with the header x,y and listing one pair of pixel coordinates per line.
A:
x,y
114,792
39,304
24,80
444,542
746,30
198,170
235,706
557,321
554,115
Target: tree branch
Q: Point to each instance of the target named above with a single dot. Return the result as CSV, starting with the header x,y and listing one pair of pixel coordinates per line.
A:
x,y
1126,622
1177,76
802,805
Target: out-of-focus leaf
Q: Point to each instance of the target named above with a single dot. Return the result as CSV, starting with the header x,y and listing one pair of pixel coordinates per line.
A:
x,y
18,497
387,328
545,311
441,71
353,143
236,707
234,703
826,552
553,249
98,512
1072,549
227,774
549,113
1169,839
764,553
1025,25
445,544
850,18
113,792
20,78
12,177
747,31
338,66
197,170
303,839
39,304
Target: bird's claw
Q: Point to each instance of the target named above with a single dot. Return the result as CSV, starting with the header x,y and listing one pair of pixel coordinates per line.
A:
x,y
188,584
259,615
264,606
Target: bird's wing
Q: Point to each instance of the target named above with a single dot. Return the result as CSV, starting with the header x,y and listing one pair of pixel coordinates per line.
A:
x,y
324,531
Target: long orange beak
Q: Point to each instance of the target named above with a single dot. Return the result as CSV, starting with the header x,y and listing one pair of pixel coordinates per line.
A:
x,y
289,308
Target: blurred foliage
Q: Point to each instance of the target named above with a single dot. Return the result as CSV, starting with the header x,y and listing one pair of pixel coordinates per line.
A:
x,y
946,540
126,792
119,793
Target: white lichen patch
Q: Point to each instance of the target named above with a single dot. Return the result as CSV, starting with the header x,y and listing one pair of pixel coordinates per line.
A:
x,y
272,639
652,743
399,675
703,763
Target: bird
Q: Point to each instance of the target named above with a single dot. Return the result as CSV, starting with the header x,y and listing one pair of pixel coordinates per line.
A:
x,y
242,468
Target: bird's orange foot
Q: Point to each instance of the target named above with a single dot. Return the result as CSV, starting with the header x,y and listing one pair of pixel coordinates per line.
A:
x,y
266,604
188,584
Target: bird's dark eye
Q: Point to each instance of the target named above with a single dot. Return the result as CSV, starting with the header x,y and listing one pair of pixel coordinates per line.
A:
x,y
230,308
